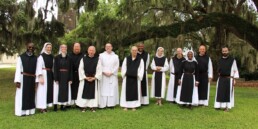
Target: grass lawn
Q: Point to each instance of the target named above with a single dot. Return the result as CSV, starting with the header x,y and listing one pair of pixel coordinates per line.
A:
x,y
244,115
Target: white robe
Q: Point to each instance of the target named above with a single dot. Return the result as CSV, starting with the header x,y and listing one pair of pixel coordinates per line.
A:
x,y
123,102
108,89
41,92
235,74
210,75
170,92
163,85
145,99
56,92
91,103
18,96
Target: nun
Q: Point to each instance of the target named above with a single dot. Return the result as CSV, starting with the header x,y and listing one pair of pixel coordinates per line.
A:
x,y
187,93
45,77
159,65
63,79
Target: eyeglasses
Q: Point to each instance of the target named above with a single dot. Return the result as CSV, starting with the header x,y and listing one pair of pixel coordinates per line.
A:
x,y
30,47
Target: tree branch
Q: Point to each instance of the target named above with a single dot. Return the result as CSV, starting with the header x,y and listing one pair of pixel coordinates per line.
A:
x,y
242,28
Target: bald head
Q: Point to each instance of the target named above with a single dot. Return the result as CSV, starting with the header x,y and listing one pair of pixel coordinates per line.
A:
x,y
179,52
134,51
91,51
30,47
202,50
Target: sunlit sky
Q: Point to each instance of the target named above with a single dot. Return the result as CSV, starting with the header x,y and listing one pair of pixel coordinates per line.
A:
x,y
42,3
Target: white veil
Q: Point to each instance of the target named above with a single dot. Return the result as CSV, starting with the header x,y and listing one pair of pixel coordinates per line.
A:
x,y
193,59
43,49
157,52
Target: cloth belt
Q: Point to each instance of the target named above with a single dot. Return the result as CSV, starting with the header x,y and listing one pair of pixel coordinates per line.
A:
x,y
90,75
63,70
48,69
226,76
28,74
188,73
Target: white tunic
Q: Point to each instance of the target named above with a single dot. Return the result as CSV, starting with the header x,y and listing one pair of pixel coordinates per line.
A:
x,y
170,92
123,102
235,74
145,99
163,85
18,96
41,93
108,89
81,102
210,75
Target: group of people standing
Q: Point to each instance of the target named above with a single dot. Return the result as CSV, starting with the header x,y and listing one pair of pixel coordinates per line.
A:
x,y
90,81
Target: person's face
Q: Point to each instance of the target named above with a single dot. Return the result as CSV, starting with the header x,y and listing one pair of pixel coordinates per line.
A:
x,y
63,48
179,51
108,48
30,47
48,48
202,50
140,47
76,48
134,51
91,51
160,52
225,52
190,55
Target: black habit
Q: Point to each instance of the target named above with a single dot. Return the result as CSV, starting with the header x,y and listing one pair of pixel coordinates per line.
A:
x,y
144,56
131,78
188,71
203,65
158,75
76,58
177,65
90,66
29,64
224,69
48,61
63,74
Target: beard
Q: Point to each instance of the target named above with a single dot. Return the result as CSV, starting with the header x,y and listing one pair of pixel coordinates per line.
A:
x,y
224,54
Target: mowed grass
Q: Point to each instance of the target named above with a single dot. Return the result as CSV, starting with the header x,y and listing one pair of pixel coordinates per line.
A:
x,y
244,115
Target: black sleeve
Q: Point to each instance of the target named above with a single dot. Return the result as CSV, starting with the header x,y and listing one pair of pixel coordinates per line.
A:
x,y
71,69
196,72
56,67
180,73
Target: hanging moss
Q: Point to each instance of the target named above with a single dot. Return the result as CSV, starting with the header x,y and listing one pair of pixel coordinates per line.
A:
x,y
236,25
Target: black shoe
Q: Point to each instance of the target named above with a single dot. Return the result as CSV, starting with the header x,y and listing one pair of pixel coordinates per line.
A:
x,y
55,108
63,108
112,108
